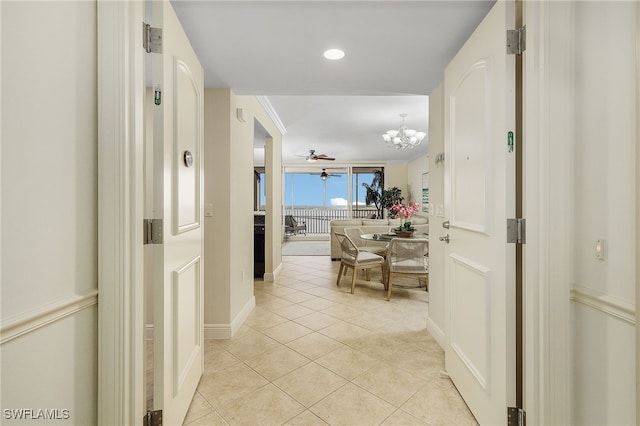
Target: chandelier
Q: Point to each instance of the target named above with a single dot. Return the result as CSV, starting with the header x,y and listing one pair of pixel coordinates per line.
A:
x,y
404,137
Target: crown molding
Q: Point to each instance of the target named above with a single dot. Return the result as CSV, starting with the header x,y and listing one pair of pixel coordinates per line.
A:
x,y
271,112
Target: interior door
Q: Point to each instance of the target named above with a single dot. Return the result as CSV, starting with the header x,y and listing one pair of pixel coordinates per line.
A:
x,y
479,197
178,200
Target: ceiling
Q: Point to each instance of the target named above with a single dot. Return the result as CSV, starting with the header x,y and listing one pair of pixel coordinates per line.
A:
x,y
396,52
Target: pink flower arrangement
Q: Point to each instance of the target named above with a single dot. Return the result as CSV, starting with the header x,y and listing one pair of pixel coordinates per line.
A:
x,y
404,212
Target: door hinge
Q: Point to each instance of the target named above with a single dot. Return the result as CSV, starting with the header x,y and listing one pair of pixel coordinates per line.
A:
x,y
151,38
153,418
516,231
516,41
516,416
152,231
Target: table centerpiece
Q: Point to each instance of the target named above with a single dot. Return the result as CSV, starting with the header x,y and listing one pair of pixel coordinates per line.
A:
x,y
404,212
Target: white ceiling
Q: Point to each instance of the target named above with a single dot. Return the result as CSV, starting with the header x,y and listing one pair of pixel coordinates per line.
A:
x,y
396,52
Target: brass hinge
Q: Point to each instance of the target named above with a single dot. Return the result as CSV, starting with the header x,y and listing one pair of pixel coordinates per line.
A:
x,y
152,231
151,38
516,41
153,418
516,231
516,416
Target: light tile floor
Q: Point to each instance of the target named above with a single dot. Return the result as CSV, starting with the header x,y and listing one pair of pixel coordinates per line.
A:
x,y
311,353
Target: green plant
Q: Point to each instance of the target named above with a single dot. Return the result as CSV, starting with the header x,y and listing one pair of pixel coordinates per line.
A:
x,y
374,192
390,197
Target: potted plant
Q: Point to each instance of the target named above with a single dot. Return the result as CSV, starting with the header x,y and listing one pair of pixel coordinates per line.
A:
x,y
404,212
391,197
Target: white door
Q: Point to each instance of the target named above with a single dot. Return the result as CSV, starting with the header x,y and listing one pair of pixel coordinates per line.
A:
x,y
178,197
479,197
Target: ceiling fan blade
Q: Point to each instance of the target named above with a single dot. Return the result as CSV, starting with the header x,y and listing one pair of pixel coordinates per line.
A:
x,y
314,157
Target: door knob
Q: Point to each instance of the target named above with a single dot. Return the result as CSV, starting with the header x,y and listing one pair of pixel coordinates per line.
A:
x,y
445,238
445,224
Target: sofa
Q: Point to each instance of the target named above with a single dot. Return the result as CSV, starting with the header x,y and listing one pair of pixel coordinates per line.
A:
x,y
371,226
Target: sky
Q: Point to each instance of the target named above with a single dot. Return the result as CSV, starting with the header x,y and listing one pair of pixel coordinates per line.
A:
x,y
308,190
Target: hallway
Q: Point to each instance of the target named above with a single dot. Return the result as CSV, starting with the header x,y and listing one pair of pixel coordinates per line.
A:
x,y
312,353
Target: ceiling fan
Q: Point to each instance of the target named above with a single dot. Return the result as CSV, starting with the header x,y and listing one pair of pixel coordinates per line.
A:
x,y
324,175
312,157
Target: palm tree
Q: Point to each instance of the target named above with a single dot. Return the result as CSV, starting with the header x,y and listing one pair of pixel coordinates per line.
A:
x,y
379,197
374,192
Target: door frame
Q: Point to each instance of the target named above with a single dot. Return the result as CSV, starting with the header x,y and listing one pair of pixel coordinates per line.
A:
x,y
120,67
637,208
120,70
548,209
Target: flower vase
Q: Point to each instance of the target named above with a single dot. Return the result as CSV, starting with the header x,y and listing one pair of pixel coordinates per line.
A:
x,y
404,234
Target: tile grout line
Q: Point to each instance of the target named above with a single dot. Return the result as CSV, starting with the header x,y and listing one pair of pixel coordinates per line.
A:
x,y
335,295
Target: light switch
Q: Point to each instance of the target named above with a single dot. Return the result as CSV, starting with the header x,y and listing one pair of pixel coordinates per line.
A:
x,y
208,210
600,249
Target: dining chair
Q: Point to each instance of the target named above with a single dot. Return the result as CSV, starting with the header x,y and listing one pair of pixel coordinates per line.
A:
x,y
407,256
357,259
355,234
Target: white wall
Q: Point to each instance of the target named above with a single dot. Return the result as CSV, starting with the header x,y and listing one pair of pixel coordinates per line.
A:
x,y
228,249
415,170
274,232
436,319
395,174
604,208
49,209
217,229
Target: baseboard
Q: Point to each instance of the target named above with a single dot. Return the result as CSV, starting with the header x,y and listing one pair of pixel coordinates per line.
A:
x,y
239,320
217,331
436,332
271,276
227,331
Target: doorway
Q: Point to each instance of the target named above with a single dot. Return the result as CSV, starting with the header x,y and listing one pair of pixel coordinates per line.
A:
x,y
260,136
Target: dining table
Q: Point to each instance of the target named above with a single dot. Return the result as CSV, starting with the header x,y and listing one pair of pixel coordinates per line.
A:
x,y
386,237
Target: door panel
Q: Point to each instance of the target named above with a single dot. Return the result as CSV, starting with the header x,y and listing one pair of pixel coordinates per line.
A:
x,y
479,185
186,325
186,200
178,283
471,297
468,128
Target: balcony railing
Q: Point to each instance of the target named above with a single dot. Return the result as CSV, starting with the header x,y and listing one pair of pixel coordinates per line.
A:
x,y
317,220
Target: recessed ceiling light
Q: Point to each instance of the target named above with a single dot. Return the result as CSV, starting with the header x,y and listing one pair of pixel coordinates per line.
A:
x,y
334,54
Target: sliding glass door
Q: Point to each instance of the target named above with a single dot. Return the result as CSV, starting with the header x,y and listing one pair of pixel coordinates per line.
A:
x,y
316,195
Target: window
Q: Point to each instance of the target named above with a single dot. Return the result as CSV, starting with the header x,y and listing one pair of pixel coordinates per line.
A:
x,y
307,189
365,175
316,195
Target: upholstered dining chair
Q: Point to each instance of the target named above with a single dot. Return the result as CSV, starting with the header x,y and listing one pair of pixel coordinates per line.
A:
x,y
357,259
407,256
355,234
